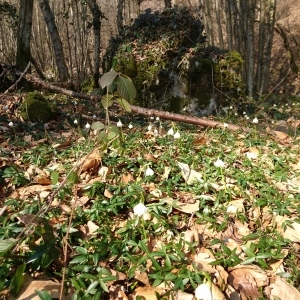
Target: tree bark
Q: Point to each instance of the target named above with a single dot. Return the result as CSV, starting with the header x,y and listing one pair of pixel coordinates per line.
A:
x,y
55,38
24,34
97,15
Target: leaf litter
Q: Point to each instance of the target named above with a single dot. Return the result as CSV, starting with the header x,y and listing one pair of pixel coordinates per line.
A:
x,y
236,225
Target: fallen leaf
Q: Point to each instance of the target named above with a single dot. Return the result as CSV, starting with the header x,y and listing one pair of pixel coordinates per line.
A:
x,y
147,292
189,175
243,282
90,162
290,231
188,208
280,289
53,288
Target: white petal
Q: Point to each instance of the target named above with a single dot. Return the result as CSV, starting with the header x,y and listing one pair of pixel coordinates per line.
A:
x,y
140,209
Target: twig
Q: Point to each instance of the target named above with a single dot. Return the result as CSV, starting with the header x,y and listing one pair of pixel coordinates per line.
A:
x,y
65,243
21,76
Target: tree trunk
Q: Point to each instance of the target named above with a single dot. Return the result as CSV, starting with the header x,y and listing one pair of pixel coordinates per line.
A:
x,y
220,33
55,38
97,15
24,34
270,24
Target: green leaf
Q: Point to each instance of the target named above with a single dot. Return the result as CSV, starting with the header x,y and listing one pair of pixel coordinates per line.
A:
x,y
44,295
251,236
126,88
97,125
87,276
82,268
104,287
107,101
81,250
79,259
54,177
248,261
6,244
108,78
76,284
17,280
91,287
124,104
73,177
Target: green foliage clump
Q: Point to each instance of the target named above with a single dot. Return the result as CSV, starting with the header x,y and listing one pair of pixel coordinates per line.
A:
x,y
228,73
36,108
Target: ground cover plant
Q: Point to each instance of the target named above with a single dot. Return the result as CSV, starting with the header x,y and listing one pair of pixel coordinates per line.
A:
x,y
142,208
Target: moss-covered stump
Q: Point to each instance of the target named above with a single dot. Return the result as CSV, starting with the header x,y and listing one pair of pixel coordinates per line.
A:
x,y
167,57
36,108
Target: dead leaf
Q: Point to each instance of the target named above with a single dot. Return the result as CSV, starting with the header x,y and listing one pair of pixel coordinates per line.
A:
x,y
243,282
148,292
282,290
103,173
200,141
90,162
127,178
188,208
53,288
141,277
91,229
290,231
189,175
236,206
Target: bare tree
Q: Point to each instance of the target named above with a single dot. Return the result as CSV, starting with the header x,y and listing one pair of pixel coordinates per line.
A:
x,y
97,15
56,41
24,34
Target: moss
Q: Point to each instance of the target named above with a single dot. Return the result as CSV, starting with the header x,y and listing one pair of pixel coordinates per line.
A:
x,y
36,108
228,73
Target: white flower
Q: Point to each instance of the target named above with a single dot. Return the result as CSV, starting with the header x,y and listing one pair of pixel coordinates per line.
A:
x,y
94,117
149,172
155,131
203,292
251,155
255,120
170,131
140,209
244,113
219,163
130,126
157,119
177,135
151,118
225,125
10,124
87,126
149,127
230,107
119,124
247,117
274,105
75,121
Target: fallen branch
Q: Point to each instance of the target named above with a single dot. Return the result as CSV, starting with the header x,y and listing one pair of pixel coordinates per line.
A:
x,y
19,79
137,109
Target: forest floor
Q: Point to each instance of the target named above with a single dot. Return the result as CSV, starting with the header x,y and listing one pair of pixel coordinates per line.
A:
x,y
149,208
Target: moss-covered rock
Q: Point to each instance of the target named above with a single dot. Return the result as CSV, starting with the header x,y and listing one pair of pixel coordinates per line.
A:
x,y
36,108
167,57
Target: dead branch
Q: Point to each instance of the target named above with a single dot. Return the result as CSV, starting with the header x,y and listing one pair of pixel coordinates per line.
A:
x,y
144,111
21,76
